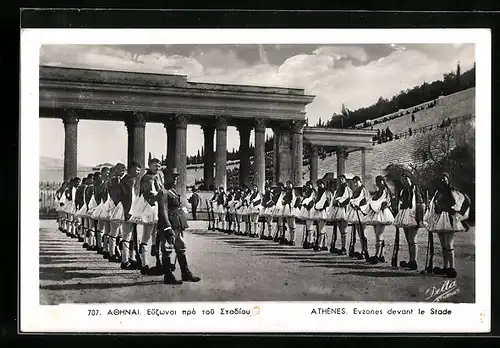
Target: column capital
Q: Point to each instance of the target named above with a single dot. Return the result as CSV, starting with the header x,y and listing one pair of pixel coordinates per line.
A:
x,y
260,124
297,126
221,122
181,121
342,152
71,117
138,119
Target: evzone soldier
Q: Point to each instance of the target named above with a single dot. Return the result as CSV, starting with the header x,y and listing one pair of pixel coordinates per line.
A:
x,y
319,214
267,212
70,207
89,221
221,210
448,209
105,212
94,212
356,212
307,205
379,215
254,209
172,223
61,199
213,207
290,210
278,213
231,210
145,212
409,217
100,197
338,213
124,197
116,214
243,211
81,209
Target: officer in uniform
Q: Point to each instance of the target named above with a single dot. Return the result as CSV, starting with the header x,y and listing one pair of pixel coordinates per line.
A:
x,y
172,223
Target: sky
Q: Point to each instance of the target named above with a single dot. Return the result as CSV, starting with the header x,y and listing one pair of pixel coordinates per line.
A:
x,y
355,75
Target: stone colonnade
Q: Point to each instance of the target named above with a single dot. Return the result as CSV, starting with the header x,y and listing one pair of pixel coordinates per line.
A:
x,y
342,154
288,148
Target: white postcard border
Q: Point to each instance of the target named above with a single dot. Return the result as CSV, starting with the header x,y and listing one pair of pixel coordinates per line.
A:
x,y
265,316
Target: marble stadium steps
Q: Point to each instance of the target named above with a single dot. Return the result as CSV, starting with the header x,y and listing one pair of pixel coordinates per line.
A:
x,y
393,152
453,106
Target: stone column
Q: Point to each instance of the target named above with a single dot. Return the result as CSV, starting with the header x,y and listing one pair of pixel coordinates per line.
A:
x,y
244,131
276,165
260,153
139,138
171,143
70,121
130,141
221,152
341,157
366,168
181,122
285,154
297,151
313,174
208,160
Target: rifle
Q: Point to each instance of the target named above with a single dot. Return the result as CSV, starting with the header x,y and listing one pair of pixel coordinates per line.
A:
x,y
333,249
208,216
429,258
136,245
395,252
364,241
352,242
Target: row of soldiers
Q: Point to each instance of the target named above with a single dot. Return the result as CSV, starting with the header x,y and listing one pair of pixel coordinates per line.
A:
x,y
104,210
354,206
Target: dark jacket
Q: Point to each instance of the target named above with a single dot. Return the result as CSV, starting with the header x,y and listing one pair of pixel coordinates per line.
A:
x,y
149,184
79,201
124,193
68,193
89,191
99,191
194,199
176,215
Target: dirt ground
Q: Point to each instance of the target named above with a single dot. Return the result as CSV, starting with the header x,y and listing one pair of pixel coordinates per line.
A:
x,y
236,268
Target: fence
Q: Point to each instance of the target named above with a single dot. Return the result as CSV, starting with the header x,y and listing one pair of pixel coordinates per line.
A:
x,y
47,198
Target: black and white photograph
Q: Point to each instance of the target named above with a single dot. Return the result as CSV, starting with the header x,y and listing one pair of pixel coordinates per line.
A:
x,y
257,172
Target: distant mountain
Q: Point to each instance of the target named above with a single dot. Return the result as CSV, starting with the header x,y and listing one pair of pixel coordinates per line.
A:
x,y
53,163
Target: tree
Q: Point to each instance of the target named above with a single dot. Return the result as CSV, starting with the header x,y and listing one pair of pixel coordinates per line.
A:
x,y
458,74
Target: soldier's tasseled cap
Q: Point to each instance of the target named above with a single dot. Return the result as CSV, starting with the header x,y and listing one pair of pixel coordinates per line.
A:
x,y
380,178
445,174
356,178
320,181
309,183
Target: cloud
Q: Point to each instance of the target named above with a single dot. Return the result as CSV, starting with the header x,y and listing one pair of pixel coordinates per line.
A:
x,y
343,51
351,74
